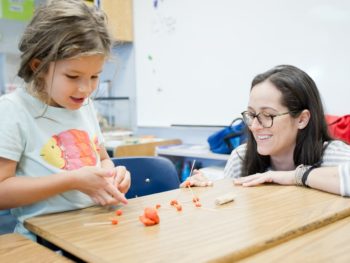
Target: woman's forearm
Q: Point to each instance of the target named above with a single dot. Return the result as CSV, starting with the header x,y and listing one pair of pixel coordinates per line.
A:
x,y
325,178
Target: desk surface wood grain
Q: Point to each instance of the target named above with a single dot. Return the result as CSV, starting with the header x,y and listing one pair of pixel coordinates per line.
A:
x,y
259,218
327,244
16,248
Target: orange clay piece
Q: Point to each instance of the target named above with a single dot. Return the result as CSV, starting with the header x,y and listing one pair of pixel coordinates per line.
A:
x,y
114,221
119,212
158,206
150,217
173,202
195,199
146,221
179,208
151,213
187,184
198,204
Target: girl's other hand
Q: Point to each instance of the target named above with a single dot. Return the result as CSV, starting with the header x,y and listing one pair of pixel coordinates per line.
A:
x,y
98,184
197,179
122,179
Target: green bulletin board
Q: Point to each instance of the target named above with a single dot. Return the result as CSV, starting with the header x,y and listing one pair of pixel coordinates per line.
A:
x,y
17,9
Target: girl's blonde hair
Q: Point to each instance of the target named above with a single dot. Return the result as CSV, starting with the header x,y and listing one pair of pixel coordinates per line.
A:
x,y
61,29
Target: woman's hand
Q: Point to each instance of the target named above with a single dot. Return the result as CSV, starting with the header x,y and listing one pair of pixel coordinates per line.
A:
x,y
98,184
197,179
278,177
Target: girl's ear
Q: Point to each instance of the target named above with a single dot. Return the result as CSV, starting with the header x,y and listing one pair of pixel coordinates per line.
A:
x,y
34,64
304,118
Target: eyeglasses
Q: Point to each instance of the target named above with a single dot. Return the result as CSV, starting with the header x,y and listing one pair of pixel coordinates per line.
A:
x,y
265,119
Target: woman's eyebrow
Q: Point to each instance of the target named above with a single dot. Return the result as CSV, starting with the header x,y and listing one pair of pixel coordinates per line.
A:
x,y
262,108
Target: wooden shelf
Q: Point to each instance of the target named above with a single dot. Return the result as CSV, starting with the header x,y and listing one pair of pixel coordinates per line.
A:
x,y
142,149
119,13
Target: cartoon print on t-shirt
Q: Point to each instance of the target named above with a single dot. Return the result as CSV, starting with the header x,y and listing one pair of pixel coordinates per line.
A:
x,y
70,150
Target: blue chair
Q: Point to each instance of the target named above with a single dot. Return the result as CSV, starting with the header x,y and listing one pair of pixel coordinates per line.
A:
x,y
7,222
149,174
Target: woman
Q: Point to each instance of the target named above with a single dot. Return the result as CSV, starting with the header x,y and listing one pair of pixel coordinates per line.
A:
x,y
288,142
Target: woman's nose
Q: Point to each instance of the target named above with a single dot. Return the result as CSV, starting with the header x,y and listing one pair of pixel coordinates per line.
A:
x,y
256,124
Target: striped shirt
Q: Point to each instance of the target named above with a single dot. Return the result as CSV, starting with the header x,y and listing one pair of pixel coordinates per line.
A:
x,y
336,154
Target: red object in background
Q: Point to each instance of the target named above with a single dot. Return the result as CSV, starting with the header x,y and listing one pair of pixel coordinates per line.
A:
x,y
339,127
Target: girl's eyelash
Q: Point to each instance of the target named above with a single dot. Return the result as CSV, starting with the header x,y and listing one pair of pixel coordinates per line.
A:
x,y
74,77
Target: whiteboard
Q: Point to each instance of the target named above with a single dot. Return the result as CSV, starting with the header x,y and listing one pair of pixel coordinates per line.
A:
x,y
195,59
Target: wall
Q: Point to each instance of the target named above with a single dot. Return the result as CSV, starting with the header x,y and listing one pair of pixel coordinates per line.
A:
x,y
2,73
188,135
195,59
119,71
9,52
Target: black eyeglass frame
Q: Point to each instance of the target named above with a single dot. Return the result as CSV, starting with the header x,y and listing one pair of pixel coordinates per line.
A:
x,y
272,116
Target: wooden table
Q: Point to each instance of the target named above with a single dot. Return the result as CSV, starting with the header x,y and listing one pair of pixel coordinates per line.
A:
x,y
16,248
259,218
327,244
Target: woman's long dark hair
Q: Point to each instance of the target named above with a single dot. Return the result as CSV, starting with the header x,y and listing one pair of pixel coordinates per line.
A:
x,y
299,92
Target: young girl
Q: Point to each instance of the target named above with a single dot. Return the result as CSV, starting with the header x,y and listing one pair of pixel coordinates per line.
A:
x,y
52,156
288,141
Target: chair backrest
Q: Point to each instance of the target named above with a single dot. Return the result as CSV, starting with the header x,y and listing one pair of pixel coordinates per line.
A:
x,y
7,222
149,174
339,127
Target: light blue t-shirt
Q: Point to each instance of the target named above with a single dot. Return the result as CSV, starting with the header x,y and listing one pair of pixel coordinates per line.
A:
x,y
45,140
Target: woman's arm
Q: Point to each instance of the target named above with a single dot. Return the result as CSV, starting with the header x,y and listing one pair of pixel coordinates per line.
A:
x,y
323,178
332,177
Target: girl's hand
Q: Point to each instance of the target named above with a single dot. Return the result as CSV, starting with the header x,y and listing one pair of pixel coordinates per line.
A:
x,y
122,179
96,182
197,179
278,177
